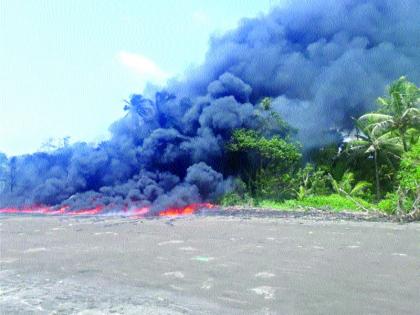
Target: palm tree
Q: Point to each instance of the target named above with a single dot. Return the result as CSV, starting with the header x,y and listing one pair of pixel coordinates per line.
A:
x,y
368,143
399,112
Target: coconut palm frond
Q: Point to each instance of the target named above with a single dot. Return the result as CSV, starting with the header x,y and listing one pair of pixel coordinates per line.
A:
x,y
395,148
374,118
411,113
382,127
360,187
387,137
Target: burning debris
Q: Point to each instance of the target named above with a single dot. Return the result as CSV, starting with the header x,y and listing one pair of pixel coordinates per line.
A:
x,y
321,62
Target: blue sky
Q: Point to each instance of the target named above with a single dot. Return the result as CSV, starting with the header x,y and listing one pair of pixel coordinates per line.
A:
x,y
67,66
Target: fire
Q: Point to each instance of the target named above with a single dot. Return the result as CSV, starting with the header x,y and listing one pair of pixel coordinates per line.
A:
x,y
28,210
94,211
139,212
189,209
52,210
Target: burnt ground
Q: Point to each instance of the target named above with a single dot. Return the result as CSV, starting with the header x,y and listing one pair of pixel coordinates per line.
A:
x,y
220,262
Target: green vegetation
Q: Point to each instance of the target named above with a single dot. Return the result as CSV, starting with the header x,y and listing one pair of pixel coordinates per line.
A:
x,y
405,200
263,162
332,202
378,169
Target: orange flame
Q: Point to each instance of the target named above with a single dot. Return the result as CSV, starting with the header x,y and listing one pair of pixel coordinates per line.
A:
x,y
139,212
190,209
52,211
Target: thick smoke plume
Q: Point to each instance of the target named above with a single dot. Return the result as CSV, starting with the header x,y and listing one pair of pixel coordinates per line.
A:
x,y
322,62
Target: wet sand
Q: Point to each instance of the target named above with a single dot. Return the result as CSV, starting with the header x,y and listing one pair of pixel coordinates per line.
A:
x,y
240,264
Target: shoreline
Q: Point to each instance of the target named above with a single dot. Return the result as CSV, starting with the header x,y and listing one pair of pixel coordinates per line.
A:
x,y
247,212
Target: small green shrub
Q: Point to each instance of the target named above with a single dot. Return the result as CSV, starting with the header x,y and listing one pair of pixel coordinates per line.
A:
x,y
389,204
409,174
348,186
235,199
309,181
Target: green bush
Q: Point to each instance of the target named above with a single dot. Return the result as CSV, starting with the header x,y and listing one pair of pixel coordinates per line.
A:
x,y
309,181
235,199
389,204
348,187
409,174
403,201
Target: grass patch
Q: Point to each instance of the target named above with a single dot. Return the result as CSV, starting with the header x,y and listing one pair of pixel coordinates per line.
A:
x,y
332,202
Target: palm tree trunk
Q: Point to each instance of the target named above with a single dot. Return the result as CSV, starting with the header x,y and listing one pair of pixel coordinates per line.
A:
x,y
404,142
378,190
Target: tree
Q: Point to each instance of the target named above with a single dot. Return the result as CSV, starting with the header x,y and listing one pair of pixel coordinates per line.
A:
x,y
12,173
269,122
3,171
266,103
369,144
398,113
310,181
263,162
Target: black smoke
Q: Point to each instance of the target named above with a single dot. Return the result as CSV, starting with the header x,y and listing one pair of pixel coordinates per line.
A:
x,y
321,61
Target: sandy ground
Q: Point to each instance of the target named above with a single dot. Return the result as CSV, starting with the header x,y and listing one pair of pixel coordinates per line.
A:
x,y
208,265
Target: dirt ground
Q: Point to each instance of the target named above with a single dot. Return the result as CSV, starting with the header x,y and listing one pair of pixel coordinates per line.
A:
x,y
217,264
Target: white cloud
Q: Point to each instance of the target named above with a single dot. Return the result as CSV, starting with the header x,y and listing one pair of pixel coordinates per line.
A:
x,y
143,66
